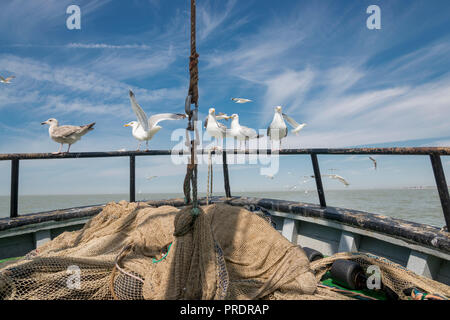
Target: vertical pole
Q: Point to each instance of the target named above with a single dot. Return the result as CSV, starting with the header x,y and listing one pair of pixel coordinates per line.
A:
x,y
132,178
318,178
441,184
14,197
225,175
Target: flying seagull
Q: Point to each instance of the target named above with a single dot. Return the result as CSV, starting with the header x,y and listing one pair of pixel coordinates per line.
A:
x,y
335,176
278,128
241,100
213,127
7,80
145,128
241,133
66,134
374,162
151,177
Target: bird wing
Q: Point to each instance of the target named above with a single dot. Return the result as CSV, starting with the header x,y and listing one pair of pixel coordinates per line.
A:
x,y
9,78
222,127
155,119
247,132
374,162
222,116
1,78
66,131
140,114
341,179
291,121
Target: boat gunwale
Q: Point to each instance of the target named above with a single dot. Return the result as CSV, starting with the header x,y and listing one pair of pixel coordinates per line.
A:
x,y
412,232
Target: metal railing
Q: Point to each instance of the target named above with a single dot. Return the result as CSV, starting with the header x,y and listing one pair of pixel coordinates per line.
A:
x,y
434,153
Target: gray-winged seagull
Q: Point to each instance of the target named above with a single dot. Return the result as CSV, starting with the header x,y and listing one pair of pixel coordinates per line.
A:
x,y
241,133
7,80
241,100
66,134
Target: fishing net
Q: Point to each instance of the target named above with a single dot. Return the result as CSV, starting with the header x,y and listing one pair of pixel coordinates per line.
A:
x,y
129,251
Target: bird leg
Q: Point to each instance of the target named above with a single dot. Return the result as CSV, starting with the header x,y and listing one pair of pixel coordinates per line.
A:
x,y
59,150
139,146
68,149
146,143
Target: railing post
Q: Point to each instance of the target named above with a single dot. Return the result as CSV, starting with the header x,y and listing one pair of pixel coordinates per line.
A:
x,y
132,178
14,196
318,178
225,175
441,184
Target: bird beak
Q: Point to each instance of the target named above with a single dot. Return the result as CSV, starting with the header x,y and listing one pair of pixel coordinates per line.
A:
x,y
126,125
42,123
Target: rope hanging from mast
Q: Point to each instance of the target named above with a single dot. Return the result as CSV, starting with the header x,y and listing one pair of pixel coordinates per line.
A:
x,y
192,99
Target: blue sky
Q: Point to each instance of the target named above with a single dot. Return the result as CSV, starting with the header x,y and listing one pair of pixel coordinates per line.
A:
x,y
351,85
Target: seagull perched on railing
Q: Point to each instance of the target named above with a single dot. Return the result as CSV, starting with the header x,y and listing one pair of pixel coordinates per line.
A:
x,y
213,127
7,80
66,134
241,100
145,128
278,128
241,133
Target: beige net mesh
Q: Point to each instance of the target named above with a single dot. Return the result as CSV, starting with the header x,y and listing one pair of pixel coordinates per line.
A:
x,y
128,251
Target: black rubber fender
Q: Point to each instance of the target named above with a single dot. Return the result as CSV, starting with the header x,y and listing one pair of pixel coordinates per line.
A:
x,y
312,254
348,274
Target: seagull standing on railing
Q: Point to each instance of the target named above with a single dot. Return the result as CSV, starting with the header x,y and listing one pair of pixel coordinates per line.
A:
x,y
7,80
145,128
241,133
278,128
214,128
66,134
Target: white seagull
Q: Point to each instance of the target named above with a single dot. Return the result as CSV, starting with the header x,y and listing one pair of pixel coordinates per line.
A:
x,y
335,176
278,128
241,100
213,127
66,134
241,133
7,80
145,128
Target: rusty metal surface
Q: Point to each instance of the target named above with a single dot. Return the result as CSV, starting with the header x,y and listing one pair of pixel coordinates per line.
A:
x,y
415,233
362,151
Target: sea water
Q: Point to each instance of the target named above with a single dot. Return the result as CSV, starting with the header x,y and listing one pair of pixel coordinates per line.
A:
x,y
417,205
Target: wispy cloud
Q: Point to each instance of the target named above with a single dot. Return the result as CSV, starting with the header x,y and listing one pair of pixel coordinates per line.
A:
x,y
106,46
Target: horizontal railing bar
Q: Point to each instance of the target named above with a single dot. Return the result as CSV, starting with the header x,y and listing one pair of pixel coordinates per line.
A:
x,y
443,151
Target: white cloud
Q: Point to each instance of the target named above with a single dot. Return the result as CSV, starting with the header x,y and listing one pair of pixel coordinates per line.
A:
x,y
106,46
